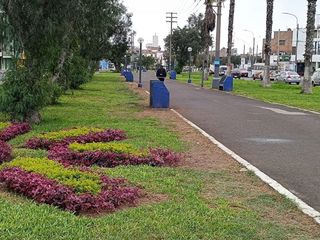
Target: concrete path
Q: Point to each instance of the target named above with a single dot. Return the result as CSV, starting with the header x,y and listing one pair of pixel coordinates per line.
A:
x,y
282,142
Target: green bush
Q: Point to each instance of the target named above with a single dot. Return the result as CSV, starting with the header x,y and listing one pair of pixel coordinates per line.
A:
x,y
23,93
76,72
80,181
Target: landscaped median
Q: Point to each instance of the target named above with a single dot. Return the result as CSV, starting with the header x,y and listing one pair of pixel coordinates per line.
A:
x,y
154,178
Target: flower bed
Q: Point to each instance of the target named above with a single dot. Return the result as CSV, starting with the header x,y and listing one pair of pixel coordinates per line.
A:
x,y
10,130
44,186
67,156
80,135
5,152
80,181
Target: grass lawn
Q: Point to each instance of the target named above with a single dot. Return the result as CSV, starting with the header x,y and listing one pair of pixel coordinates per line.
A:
x,y
279,92
195,204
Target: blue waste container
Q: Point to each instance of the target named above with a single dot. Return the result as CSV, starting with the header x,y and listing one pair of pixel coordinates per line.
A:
x,y
173,75
159,95
226,83
129,76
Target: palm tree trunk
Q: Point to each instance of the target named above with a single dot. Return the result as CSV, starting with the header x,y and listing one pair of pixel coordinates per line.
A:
x,y
267,48
230,34
306,84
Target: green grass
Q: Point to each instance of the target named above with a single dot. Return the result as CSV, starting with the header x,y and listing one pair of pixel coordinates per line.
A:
x,y
278,93
194,205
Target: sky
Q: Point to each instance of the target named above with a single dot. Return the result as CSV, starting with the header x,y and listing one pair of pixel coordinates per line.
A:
x,y
149,17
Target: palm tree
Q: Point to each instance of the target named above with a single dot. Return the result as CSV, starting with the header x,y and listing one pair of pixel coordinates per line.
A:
x,y
306,84
230,33
267,47
209,23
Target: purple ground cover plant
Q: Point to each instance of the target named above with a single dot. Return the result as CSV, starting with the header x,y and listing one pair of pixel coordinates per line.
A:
x,y
14,130
114,194
5,152
156,157
107,135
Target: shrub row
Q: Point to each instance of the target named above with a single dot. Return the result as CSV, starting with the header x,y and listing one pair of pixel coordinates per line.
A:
x,y
116,147
5,152
156,157
106,135
80,181
14,130
43,190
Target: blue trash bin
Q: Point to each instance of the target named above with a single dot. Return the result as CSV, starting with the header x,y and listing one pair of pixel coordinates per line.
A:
x,y
129,76
173,75
226,83
159,95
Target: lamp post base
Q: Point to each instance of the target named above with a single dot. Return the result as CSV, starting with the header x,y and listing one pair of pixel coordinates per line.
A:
x,y
215,83
140,85
189,81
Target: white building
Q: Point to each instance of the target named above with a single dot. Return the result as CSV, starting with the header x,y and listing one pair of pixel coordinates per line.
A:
x,y
301,46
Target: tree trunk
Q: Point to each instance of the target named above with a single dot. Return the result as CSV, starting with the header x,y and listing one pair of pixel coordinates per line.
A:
x,y
267,47
230,34
58,71
307,84
33,117
206,64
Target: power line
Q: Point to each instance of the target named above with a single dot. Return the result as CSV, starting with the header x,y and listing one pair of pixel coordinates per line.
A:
x,y
171,18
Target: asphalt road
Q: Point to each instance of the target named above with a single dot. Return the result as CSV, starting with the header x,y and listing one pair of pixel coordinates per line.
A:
x,y
282,142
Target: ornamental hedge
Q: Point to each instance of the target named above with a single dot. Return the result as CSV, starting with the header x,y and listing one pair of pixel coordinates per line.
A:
x,y
155,157
10,130
80,135
44,186
80,181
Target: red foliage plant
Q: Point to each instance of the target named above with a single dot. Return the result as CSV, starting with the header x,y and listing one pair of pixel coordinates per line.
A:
x,y
14,130
107,135
157,157
113,195
5,152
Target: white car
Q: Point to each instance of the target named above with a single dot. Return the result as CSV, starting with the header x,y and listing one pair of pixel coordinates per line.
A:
x,y
289,77
315,78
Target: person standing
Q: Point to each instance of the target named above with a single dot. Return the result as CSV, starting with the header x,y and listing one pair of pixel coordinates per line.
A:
x,y
161,73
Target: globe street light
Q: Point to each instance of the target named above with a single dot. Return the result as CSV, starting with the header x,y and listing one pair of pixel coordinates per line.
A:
x,y
297,39
254,42
189,50
140,41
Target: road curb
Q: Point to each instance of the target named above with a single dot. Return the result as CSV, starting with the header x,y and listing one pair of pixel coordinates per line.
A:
x,y
304,207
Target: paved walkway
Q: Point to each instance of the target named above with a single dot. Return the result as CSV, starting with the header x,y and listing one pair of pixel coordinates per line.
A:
x,y
282,142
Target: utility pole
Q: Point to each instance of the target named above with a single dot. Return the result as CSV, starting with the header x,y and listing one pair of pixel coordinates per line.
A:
x,y
171,18
216,79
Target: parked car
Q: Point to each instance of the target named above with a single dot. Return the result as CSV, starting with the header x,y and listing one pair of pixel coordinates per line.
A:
x,y
236,73
315,78
244,73
289,77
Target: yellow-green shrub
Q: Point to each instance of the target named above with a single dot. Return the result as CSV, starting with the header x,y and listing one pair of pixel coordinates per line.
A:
x,y
80,181
4,125
116,147
74,132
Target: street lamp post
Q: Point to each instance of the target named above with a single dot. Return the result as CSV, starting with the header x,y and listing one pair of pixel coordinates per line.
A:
x,y
254,43
297,39
189,50
216,79
140,40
